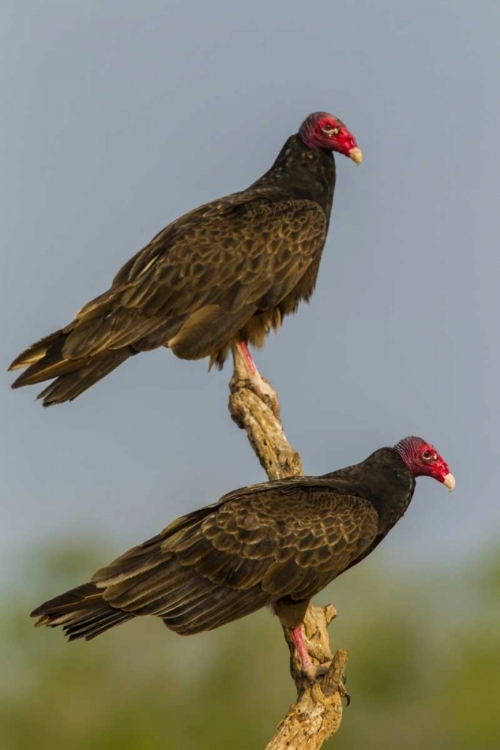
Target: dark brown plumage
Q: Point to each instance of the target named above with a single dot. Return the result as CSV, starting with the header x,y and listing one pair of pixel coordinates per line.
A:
x,y
223,274
277,543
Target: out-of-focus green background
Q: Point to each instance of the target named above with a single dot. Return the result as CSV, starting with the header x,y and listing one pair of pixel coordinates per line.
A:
x,y
424,667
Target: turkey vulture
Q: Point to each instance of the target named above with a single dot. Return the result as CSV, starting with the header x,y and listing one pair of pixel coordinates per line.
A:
x,y
221,276
278,543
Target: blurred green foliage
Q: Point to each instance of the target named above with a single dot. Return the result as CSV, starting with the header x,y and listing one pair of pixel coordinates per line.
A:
x,y
424,668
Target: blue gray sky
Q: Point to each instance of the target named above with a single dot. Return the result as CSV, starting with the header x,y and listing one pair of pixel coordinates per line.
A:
x,y
120,116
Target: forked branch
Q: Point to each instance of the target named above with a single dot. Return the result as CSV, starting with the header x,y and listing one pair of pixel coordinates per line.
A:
x,y
316,714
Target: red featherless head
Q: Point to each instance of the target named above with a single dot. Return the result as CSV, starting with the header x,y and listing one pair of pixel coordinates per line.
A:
x,y
422,459
321,130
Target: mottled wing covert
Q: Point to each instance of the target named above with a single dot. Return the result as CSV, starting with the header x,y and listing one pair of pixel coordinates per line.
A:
x,y
254,547
213,268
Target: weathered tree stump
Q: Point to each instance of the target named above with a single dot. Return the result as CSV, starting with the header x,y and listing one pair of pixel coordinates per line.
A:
x,y
316,714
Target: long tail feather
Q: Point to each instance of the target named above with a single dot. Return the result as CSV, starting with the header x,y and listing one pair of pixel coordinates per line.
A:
x,y
45,361
67,387
81,612
44,353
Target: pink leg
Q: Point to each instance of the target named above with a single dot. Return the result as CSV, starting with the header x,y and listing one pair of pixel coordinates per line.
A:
x,y
311,672
247,358
305,659
243,363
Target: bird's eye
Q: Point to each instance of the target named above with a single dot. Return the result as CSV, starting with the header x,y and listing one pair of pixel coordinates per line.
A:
x,y
330,130
429,455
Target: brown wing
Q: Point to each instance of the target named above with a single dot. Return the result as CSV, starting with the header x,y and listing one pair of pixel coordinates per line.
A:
x,y
256,546
196,284
237,264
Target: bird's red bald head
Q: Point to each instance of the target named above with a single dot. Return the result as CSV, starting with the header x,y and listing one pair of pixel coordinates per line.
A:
x,y
322,130
422,459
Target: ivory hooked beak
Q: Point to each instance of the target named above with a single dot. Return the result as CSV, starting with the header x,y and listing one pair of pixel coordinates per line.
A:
x,y
356,155
449,481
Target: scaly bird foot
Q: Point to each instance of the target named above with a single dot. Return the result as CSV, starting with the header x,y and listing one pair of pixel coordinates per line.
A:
x,y
265,392
313,673
343,692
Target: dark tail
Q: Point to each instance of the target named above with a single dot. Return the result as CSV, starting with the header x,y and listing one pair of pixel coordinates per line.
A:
x,y
81,612
45,360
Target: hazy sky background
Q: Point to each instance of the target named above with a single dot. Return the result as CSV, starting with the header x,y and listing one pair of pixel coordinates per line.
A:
x,y
118,116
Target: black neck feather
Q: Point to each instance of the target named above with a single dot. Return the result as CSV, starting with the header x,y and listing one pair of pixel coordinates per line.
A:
x,y
385,481
303,172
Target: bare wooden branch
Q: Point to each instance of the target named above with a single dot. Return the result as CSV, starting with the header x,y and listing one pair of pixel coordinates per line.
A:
x,y
316,714
259,416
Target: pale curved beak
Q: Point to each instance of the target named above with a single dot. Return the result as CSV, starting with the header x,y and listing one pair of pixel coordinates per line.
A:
x,y
449,481
356,155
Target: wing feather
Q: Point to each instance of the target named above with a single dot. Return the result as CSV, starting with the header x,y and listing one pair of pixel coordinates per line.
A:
x,y
229,259
257,545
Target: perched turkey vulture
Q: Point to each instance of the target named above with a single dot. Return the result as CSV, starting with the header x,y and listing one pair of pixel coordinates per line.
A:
x,y
277,543
220,276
